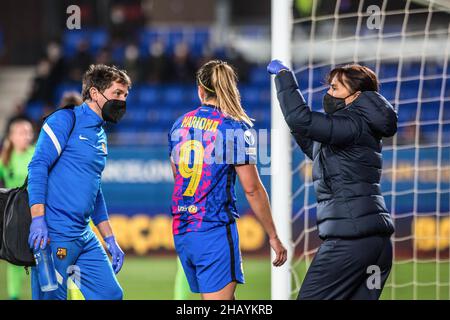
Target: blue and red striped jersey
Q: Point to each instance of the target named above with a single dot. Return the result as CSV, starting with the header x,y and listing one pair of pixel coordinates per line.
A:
x,y
205,146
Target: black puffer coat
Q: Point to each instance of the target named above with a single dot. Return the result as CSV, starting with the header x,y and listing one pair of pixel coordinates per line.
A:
x,y
346,151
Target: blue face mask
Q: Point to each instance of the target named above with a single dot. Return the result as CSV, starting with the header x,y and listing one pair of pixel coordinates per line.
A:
x,y
332,104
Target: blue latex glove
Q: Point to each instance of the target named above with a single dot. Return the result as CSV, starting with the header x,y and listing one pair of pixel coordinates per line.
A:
x,y
276,66
38,233
116,253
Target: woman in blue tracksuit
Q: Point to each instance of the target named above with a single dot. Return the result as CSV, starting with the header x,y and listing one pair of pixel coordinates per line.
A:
x,y
345,146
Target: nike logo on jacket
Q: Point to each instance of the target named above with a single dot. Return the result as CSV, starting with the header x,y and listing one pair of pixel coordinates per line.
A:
x,y
65,172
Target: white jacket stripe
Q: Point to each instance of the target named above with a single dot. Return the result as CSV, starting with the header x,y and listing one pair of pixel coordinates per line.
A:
x,y
52,136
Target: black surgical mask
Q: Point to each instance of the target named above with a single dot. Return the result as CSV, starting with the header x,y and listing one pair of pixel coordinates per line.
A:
x,y
332,104
113,110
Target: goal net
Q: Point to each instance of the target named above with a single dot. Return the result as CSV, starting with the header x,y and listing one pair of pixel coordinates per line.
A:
x,y
407,44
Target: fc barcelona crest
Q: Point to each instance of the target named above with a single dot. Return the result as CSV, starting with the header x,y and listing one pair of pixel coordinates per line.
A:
x,y
61,253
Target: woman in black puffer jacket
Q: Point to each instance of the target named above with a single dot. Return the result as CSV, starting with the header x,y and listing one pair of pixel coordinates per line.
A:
x,y
345,146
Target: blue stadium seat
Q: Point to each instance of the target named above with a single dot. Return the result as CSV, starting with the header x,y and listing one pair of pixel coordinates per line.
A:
x,y
429,111
251,94
118,53
35,110
133,94
201,35
446,133
148,94
429,133
410,69
317,99
62,88
96,38
431,88
71,40
320,75
447,87
259,76
124,127
174,95
195,38
199,40
388,70
409,89
146,38
388,90
407,112
433,68
446,115
173,37
192,99
136,115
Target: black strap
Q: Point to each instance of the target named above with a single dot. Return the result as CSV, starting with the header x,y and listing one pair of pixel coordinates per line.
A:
x,y
71,107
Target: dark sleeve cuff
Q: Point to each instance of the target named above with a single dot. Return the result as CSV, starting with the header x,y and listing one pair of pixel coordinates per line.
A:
x,y
285,80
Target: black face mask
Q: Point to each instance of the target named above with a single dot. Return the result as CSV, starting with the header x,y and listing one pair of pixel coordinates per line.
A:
x,y
113,110
332,104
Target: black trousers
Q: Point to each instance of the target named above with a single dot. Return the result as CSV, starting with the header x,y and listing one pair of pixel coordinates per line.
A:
x,y
354,269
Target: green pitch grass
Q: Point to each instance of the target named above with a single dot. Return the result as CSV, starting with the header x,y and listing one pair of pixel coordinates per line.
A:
x,y
152,278
144,278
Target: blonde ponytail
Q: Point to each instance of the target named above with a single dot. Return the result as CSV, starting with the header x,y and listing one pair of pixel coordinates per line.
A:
x,y
221,80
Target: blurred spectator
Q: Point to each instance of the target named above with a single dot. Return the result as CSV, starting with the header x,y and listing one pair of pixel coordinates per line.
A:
x,y
131,63
182,67
238,61
104,57
126,16
41,89
407,135
155,69
80,62
207,55
57,62
71,98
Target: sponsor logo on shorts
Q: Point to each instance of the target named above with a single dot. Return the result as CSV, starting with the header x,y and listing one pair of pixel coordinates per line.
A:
x,y
61,253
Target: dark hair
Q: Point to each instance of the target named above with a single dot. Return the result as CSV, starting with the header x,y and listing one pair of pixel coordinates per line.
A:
x,y
102,77
355,78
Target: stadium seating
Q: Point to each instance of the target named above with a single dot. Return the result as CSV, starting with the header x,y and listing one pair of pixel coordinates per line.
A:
x,y
153,108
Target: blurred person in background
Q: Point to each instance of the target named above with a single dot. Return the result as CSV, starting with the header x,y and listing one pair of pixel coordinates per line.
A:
x,y
57,63
104,56
16,154
182,67
41,89
182,290
80,62
71,98
132,62
241,64
156,66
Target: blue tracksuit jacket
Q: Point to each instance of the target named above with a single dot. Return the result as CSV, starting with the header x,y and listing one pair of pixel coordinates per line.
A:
x,y
65,172
65,175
